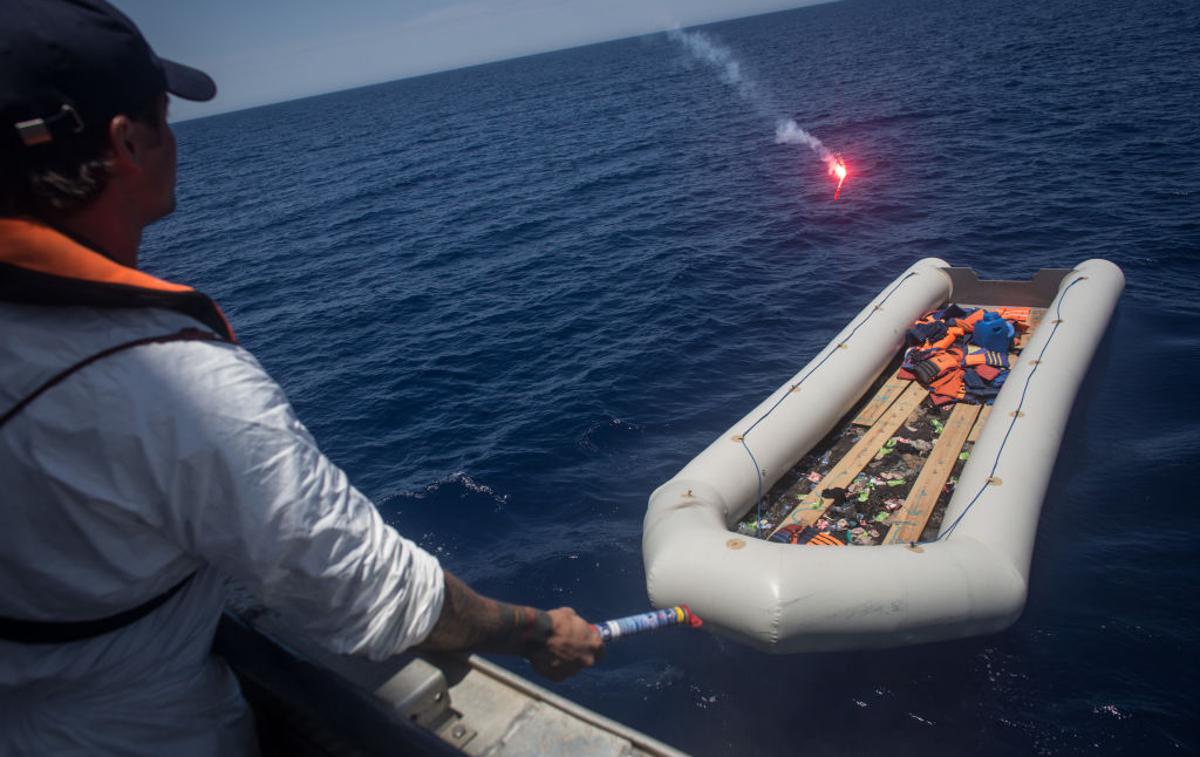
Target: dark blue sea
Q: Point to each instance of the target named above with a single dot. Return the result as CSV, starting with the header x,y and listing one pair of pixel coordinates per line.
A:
x,y
511,300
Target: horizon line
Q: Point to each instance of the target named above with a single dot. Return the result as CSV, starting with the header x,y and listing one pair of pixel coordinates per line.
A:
x,y
365,85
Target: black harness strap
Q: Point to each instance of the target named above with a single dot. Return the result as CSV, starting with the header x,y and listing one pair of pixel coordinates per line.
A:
x,y
62,631
58,632
179,336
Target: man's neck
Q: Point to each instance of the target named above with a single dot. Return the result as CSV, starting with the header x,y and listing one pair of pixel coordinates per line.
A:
x,y
105,230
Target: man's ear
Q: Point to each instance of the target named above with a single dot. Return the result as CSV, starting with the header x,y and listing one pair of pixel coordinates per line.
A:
x,y
125,146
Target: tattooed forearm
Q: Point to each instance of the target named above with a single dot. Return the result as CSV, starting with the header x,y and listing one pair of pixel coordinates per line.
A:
x,y
474,622
557,643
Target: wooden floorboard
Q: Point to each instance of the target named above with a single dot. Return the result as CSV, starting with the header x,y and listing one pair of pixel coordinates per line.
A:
x,y
978,427
910,520
812,505
883,399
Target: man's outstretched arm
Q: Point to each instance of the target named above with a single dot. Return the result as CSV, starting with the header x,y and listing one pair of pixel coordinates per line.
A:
x,y
249,491
559,643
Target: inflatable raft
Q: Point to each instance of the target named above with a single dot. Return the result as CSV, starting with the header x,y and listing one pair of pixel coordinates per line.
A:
x,y
969,575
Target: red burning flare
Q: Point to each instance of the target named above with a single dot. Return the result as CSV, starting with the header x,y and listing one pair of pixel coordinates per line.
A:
x,y
838,168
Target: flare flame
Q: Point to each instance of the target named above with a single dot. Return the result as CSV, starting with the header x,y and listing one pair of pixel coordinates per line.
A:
x,y
837,167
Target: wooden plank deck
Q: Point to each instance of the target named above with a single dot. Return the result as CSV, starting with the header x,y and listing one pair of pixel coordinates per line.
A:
x,y
882,400
910,520
978,427
812,505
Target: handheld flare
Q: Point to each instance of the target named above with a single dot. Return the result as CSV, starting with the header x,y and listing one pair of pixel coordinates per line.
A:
x,y
647,621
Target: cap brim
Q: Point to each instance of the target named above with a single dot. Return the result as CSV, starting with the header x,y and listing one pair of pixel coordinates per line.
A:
x,y
187,82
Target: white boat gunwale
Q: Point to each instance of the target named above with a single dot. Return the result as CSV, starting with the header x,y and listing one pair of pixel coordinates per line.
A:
x,y
315,702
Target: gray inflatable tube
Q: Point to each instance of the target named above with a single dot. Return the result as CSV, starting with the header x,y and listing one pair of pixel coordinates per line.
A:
x,y
971,580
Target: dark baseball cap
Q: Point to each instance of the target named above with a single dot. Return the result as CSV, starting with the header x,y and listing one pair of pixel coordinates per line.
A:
x,y
69,66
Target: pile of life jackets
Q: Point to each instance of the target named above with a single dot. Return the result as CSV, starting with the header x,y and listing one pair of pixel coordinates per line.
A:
x,y
963,354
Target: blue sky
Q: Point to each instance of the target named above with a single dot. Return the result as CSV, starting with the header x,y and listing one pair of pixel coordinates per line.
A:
x,y
261,52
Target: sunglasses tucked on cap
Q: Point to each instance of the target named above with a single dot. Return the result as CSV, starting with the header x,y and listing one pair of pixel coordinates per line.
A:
x,y
71,65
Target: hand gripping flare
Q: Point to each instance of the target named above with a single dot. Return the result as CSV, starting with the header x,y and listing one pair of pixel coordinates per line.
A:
x,y
647,621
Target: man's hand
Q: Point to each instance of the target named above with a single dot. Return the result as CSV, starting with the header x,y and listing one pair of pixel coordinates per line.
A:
x,y
572,644
559,643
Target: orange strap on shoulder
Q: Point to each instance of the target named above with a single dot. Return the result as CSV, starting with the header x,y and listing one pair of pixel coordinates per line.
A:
x,y
40,265
34,247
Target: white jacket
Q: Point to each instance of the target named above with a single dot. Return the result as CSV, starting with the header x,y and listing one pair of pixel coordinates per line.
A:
x,y
138,470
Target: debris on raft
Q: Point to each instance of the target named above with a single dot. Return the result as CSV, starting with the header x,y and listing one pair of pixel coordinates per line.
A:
x,y
862,512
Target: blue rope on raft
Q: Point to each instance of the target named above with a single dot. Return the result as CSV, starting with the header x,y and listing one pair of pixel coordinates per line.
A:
x,y
1016,413
757,470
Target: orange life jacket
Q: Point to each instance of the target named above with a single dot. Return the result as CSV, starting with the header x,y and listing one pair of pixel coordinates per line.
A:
x,y
967,322
1018,315
953,334
977,355
826,540
40,265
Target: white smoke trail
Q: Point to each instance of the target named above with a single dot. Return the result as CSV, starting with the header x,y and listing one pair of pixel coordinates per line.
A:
x,y
704,49
787,131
